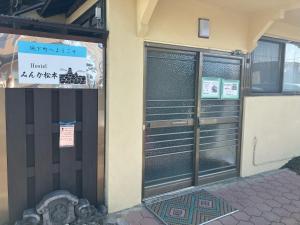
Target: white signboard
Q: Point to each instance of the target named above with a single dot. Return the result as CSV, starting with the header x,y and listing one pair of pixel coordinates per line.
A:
x,y
42,63
66,137
211,87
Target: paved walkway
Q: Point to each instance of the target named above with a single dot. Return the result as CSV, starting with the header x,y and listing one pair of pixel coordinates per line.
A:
x,y
269,199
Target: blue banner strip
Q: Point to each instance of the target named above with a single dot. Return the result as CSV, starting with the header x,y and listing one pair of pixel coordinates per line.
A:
x,y
51,49
67,123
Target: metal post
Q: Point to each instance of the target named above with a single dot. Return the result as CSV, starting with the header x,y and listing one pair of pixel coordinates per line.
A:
x,y
198,84
101,134
3,162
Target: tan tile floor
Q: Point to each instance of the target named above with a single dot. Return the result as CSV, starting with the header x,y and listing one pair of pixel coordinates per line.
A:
x,y
269,199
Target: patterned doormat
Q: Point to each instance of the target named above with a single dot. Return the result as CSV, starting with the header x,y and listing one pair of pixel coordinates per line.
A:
x,y
196,208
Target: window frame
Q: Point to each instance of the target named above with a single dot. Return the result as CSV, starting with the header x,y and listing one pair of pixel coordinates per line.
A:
x,y
282,43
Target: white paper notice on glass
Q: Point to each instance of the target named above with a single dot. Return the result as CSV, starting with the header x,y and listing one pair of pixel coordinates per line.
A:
x,y
211,87
230,89
66,137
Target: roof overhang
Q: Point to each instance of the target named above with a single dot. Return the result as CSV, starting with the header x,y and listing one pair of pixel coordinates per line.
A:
x,y
54,7
17,25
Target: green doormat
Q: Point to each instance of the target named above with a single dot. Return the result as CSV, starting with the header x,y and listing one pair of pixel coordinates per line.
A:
x,y
191,209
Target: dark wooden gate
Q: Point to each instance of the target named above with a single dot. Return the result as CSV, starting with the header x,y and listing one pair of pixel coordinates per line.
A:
x,y
36,164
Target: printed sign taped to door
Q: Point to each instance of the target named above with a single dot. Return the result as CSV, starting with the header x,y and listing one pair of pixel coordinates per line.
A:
x,y
66,135
230,89
211,87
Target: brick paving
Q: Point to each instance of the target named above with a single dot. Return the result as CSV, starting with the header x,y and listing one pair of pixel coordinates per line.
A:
x,y
268,199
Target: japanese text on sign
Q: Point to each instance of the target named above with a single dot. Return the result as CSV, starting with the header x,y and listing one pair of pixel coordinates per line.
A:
x,y
230,89
42,63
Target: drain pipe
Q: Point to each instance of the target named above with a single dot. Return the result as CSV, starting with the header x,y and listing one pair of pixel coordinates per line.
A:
x,y
255,163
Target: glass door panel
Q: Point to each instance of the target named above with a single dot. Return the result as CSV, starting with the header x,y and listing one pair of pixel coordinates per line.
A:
x,y
169,118
219,118
187,137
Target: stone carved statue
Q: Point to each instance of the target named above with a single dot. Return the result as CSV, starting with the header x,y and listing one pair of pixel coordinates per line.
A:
x,y
57,208
61,208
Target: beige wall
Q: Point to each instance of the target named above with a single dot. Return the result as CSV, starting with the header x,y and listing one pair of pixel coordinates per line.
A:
x,y
124,108
275,123
176,22
285,31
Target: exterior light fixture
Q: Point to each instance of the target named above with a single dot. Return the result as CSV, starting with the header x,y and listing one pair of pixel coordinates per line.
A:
x,y
98,13
203,28
98,16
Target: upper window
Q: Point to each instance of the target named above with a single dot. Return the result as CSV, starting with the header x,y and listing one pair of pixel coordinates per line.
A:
x,y
266,67
276,67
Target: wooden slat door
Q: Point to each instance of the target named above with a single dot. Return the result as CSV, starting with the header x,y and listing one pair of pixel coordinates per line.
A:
x,y
36,164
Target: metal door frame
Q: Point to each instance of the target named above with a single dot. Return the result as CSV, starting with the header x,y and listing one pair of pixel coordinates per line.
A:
x,y
196,179
181,183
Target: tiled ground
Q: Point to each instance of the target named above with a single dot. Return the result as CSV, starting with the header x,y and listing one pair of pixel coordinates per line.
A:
x,y
268,199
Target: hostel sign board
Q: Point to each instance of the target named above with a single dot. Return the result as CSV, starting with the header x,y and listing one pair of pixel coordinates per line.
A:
x,y
43,63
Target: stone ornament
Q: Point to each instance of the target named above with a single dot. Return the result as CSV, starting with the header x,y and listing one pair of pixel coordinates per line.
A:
x,y
61,208
57,208
87,214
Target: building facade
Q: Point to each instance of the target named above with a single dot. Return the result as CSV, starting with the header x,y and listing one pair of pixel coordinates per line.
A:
x,y
192,92
139,30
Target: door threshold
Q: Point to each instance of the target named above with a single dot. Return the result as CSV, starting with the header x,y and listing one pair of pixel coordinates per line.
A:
x,y
173,194
202,185
168,195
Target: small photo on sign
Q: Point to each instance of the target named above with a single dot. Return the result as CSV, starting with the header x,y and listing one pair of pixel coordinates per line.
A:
x,y
211,87
230,89
66,136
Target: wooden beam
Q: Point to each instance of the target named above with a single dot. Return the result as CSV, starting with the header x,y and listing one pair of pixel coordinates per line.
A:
x,y
18,25
81,10
74,7
145,10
